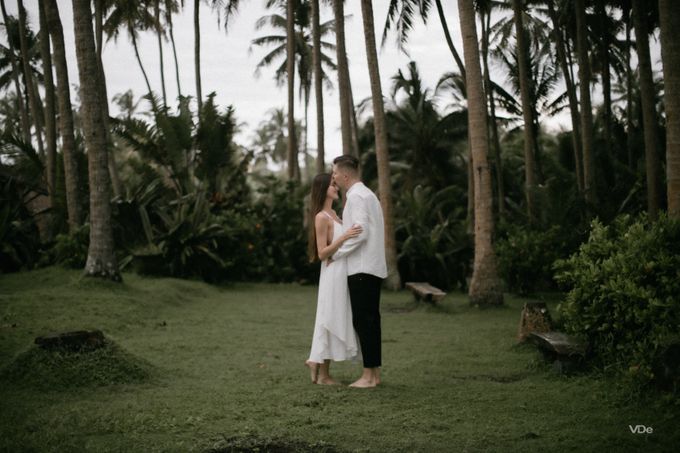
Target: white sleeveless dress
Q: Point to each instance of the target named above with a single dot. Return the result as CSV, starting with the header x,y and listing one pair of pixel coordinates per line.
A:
x,y
334,335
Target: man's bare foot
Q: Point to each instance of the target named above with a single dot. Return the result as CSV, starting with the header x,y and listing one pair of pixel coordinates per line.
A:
x,y
327,380
313,370
363,383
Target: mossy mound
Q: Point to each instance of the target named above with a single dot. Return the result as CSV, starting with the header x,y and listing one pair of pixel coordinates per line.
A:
x,y
62,369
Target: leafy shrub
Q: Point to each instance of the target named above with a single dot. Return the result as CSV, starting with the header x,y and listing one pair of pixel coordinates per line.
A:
x,y
70,249
624,294
431,238
526,256
19,240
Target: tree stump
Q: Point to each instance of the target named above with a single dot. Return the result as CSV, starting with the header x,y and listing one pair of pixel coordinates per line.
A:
x,y
72,341
534,318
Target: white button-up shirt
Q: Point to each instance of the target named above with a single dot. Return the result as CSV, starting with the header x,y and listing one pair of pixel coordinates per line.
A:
x,y
366,252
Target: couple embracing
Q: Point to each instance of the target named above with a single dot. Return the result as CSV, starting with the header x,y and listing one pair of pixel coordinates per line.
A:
x,y
352,256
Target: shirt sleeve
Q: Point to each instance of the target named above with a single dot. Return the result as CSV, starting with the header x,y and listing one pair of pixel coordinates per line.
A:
x,y
358,215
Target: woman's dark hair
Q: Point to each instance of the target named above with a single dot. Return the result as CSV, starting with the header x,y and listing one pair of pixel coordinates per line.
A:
x,y
320,186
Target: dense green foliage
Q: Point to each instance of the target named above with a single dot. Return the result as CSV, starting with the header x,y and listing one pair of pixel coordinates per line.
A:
x,y
624,296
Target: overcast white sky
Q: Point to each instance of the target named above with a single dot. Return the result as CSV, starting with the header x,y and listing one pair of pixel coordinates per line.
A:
x,y
228,66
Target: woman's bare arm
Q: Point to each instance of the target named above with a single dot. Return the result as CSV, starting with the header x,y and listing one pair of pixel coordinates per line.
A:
x,y
325,250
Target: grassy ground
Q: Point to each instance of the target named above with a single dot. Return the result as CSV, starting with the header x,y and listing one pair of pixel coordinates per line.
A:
x,y
197,367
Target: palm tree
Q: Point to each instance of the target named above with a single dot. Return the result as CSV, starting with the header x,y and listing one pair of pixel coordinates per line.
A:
x,y
101,259
68,143
393,280
31,89
99,12
134,16
23,110
525,84
160,34
318,88
561,51
171,7
290,73
485,288
50,110
586,106
400,14
346,101
197,55
670,53
648,110
304,51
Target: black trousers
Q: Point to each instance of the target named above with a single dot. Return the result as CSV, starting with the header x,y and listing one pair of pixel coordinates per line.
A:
x,y
364,294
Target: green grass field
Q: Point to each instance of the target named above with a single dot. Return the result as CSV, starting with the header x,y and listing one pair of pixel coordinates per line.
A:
x,y
195,368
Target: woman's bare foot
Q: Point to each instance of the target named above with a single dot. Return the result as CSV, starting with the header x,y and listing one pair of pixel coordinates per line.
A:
x,y
313,370
326,380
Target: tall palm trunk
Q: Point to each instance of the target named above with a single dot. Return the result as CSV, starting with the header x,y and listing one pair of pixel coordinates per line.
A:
x,y
527,110
571,94
174,50
586,106
353,120
343,77
197,56
449,41
653,168
485,20
630,128
50,110
670,54
101,260
33,95
318,87
606,77
290,68
133,37
99,37
23,113
393,280
159,34
485,288
68,143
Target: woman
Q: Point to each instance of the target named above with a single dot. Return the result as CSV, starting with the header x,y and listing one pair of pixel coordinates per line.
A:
x,y
334,336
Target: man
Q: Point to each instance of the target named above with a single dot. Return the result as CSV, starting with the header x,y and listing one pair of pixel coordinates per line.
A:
x,y
366,266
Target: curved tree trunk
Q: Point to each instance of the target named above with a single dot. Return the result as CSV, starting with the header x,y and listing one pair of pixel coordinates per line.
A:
x,y
318,87
586,106
670,53
139,60
606,77
23,113
343,77
393,280
50,109
68,146
527,110
33,95
652,165
159,34
174,53
449,41
486,25
290,69
571,94
485,287
101,260
99,37
197,56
